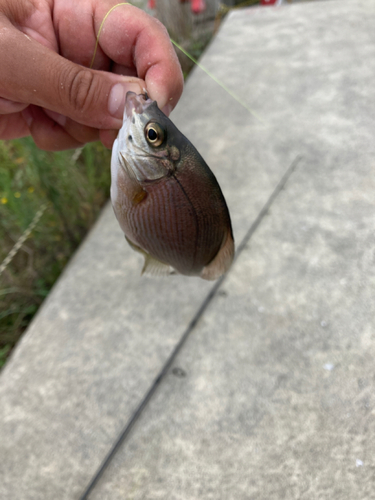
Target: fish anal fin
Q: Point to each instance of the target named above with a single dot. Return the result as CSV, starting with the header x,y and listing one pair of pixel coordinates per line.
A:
x,y
152,266
222,262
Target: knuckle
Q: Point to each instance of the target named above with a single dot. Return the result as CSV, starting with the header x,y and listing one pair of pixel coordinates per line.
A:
x,y
53,142
43,143
80,90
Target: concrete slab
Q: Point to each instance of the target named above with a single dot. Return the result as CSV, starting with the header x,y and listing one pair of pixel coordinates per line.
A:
x,y
274,396
100,340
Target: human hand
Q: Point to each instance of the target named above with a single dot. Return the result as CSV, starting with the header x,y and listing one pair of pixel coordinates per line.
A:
x,y
46,88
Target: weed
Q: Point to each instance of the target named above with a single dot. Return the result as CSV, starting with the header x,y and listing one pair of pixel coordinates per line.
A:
x,y
74,191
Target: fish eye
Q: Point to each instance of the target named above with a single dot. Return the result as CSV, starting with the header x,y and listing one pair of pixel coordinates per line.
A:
x,y
154,134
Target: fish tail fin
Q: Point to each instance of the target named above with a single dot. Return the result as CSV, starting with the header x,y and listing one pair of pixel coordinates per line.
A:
x,y
222,262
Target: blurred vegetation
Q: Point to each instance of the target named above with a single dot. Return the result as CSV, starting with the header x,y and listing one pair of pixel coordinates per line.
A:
x,y
75,186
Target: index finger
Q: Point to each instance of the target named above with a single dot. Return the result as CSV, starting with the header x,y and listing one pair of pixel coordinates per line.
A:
x,y
32,73
132,38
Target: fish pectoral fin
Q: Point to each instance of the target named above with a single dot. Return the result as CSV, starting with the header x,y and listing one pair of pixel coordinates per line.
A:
x,y
152,266
129,171
222,262
137,192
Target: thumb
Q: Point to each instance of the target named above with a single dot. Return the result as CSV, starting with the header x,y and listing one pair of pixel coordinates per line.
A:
x,y
34,74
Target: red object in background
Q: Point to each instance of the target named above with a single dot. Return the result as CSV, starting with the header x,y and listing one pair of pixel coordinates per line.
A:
x,y
198,6
270,2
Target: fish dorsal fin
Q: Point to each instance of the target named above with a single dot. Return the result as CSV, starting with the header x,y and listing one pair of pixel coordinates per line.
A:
x,y
222,262
152,266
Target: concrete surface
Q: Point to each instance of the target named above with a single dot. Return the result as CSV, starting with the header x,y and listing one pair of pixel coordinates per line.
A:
x,y
272,395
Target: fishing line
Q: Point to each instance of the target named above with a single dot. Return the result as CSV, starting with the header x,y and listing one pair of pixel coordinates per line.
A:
x,y
100,29
214,78
207,301
220,83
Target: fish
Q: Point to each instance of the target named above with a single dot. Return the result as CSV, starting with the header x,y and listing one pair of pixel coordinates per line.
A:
x,y
165,197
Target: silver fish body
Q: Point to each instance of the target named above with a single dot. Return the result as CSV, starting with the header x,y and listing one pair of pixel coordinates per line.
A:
x,y
166,199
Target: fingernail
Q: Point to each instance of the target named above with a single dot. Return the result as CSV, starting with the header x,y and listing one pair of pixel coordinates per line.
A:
x,y
116,99
56,117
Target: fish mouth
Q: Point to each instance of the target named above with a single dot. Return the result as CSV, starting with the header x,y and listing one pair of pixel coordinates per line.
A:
x,y
136,103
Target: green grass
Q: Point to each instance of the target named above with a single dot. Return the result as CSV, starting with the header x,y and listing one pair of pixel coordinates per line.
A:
x,y
74,192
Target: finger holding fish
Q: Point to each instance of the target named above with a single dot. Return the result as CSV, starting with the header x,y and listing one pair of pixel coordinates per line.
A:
x,y
81,77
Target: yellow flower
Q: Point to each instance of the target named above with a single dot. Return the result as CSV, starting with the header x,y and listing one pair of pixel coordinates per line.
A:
x,y
30,189
18,161
4,200
17,194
